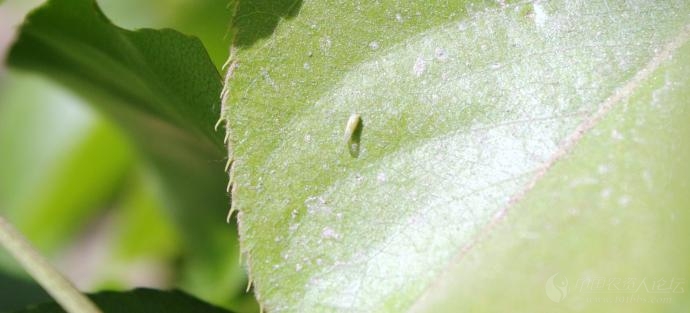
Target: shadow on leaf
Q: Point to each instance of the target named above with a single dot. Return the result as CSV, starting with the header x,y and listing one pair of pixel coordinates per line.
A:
x,y
258,19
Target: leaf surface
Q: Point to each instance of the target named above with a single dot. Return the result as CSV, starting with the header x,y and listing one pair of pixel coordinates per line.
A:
x,y
466,109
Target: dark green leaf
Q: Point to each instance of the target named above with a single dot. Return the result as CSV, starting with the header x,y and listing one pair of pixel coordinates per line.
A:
x,y
23,292
139,301
154,74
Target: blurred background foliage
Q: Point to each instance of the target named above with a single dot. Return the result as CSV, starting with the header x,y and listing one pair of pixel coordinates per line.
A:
x,y
73,182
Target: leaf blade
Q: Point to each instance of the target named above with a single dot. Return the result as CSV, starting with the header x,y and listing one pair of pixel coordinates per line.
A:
x,y
162,72
460,112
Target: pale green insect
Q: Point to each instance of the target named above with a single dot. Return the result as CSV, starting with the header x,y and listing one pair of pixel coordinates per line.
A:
x,y
353,134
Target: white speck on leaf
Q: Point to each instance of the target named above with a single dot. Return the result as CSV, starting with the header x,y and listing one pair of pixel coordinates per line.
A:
x,y
381,177
441,54
329,233
326,43
540,15
419,66
359,177
647,177
603,169
268,79
606,193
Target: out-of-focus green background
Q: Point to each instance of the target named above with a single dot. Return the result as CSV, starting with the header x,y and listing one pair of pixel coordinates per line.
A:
x,y
74,184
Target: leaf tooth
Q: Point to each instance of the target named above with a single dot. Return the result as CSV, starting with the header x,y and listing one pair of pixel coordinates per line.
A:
x,y
228,164
227,138
229,217
218,123
250,282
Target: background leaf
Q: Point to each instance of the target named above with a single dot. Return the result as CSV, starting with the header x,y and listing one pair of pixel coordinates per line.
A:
x,y
465,107
139,300
160,73
161,89
65,169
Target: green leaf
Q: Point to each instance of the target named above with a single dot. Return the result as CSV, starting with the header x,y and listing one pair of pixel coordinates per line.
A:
x,y
139,300
53,148
161,88
205,19
468,110
153,73
23,292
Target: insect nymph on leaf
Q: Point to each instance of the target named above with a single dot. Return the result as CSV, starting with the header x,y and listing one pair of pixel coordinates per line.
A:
x,y
353,134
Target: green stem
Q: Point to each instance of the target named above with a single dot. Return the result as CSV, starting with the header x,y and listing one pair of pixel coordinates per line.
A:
x,y
61,289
